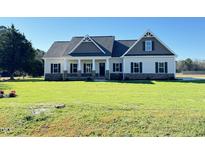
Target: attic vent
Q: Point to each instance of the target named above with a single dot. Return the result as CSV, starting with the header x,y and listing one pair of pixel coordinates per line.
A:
x,y
148,34
86,39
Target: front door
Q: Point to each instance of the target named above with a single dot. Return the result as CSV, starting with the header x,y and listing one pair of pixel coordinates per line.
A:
x,y
102,69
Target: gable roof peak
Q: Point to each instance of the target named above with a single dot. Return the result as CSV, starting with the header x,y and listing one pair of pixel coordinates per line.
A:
x,y
87,38
148,33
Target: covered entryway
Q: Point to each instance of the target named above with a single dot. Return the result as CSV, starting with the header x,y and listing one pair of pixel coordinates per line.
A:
x,y
102,69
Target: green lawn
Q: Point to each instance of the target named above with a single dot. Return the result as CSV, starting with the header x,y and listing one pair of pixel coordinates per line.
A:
x,y
135,108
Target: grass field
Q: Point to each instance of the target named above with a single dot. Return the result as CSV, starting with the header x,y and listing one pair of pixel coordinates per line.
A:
x,y
135,108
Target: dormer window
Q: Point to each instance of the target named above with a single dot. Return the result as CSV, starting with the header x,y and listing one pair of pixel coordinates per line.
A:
x,y
148,45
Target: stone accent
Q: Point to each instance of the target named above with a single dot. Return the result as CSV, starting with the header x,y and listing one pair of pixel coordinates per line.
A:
x,y
93,74
148,76
116,76
86,75
79,74
65,75
53,77
107,75
111,76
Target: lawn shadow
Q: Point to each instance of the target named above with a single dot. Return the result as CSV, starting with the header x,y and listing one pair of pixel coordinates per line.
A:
x,y
198,81
126,81
25,80
177,80
132,81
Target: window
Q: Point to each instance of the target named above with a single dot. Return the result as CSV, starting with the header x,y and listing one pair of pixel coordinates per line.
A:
x,y
55,68
88,68
148,45
136,67
73,68
117,67
161,67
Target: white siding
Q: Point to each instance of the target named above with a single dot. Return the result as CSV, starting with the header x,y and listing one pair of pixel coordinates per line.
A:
x,y
97,65
114,60
48,63
148,63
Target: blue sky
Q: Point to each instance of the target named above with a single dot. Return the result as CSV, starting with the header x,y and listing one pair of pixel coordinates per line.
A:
x,y
185,36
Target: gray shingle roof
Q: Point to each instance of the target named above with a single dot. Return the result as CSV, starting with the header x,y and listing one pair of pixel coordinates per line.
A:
x,y
104,42
57,49
108,44
121,46
159,48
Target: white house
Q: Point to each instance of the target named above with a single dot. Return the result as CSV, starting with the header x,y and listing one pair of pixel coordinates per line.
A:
x,y
104,57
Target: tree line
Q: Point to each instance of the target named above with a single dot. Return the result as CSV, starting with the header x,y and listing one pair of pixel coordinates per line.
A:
x,y
190,65
17,55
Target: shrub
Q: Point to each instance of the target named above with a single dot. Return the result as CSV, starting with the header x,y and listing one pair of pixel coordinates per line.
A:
x,y
148,78
127,78
1,92
89,79
12,93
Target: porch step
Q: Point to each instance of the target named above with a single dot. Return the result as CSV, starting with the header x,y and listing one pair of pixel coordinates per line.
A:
x,y
100,79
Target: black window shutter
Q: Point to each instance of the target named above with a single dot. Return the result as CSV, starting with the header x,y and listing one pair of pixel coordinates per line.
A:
x,y
143,44
153,45
156,67
131,67
166,70
84,68
51,68
120,67
113,67
59,68
71,68
140,67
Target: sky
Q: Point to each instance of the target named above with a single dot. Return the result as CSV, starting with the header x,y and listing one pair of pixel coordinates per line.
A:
x,y
185,36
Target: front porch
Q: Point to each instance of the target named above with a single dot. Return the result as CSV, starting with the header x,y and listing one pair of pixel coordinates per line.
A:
x,y
86,68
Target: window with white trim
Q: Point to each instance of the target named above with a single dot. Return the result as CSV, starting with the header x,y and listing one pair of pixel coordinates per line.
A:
x,y
117,67
88,68
135,67
148,45
161,68
55,68
73,68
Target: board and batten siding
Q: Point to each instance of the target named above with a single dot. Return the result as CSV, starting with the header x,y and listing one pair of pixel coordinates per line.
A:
x,y
148,63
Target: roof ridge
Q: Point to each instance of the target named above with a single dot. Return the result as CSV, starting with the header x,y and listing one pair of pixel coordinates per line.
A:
x,y
127,40
95,36
61,41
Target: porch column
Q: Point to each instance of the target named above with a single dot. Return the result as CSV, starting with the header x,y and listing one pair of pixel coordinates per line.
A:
x,y
123,69
93,68
79,67
65,69
65,65
107,68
